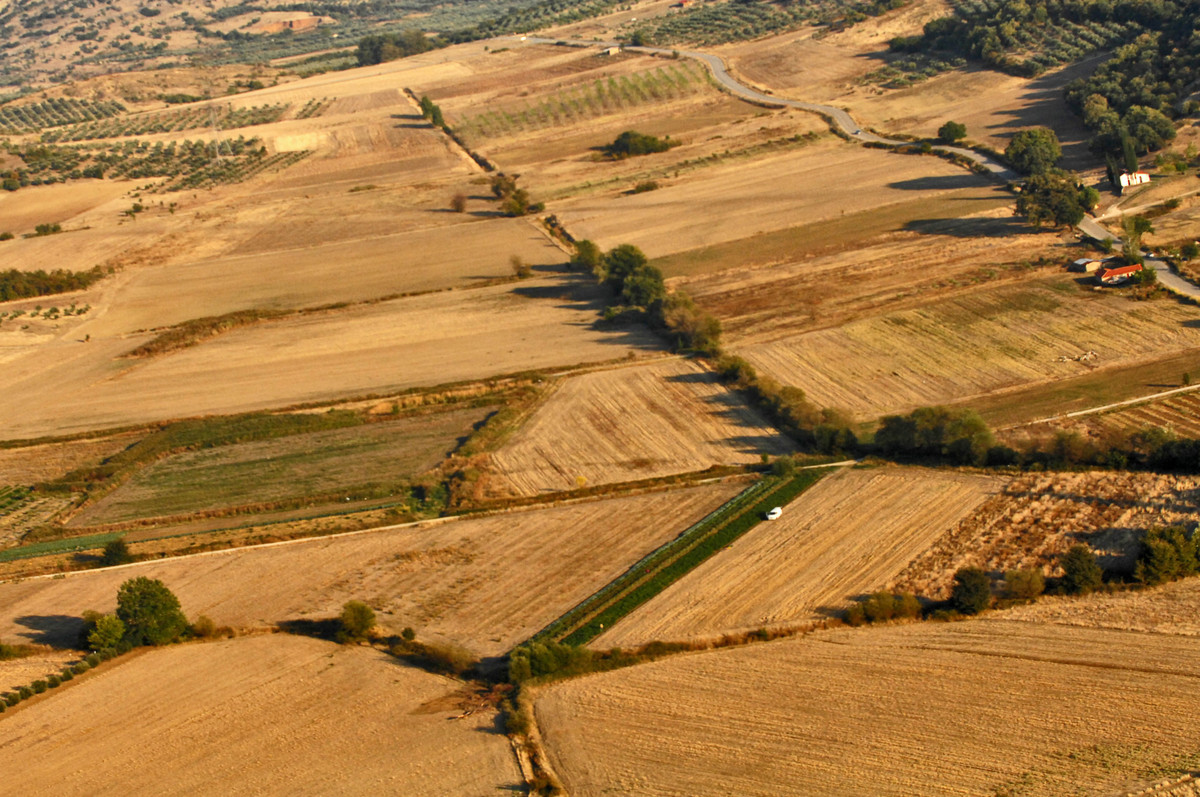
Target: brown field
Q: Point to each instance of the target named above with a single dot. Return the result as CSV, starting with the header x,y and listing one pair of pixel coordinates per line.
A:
x,y
851,534
634,423
1037,517
1179,413
32,464
1168,609
313,464
742,199
981,342
978,708
484,583
417,341
265,714
24,671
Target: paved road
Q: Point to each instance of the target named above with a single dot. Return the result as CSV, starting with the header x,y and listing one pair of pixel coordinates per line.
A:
x,y
1089,226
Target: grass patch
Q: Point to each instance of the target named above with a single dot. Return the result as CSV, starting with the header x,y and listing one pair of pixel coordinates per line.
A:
x,y
189,333
70,545
676,559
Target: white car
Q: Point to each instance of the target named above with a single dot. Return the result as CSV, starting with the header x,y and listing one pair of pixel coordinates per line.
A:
x,y
775,513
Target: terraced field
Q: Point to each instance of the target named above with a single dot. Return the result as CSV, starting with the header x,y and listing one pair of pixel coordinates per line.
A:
x,y
634,423
978,708
852,533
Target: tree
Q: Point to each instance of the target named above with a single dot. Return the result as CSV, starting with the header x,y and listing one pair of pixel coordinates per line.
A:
x,y
972,591
644,287
356,621
150,612
1132,230
1024,584
952,132
458,203
633,143
1034,150
1165,554
116,552
520,268
587,256
620,263
108,631
1054,198
1081,571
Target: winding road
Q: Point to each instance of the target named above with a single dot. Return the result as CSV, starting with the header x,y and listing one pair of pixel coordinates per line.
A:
x,y
845,122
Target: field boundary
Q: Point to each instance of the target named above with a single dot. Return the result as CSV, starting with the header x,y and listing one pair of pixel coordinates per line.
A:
x,y
671,561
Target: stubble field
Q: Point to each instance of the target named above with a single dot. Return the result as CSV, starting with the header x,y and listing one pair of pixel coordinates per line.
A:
x,y
979,708
851,534
633,423
268,713
485,583
972,345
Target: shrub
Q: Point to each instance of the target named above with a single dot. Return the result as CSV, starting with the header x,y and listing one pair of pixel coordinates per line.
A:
x,y
107,631
11,698
1081,571
952,131
356,621
632,143
53,681
68,674
408,635
972,591
203,628
116,552
880,607
1165,554
1024,584
458,203
79,668
24,692
92,660
39,686
150,611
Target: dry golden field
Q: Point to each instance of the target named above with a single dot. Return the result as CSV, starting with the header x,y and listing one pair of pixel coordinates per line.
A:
x,y
1179,413
634,423
971,345
485,583
1037,517
851,534
263,714
15,673
423,340
31,464
977,708
1167,609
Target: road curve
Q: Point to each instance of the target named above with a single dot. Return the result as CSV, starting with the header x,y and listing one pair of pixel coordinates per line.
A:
x,y
1168,278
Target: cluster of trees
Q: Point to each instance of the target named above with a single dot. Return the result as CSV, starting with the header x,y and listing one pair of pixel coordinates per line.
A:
x,y
959,436
1050,195
514,201
638,286
1166,554
1153,447
148,613
432,112
28,284
632,143
390,46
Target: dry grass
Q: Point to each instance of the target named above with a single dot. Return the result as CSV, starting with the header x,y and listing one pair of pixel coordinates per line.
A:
x,y
264,714
1169,609
979,708
972,345
1038,517
634,423
1179,413
15,673
850,534
484,583
42,463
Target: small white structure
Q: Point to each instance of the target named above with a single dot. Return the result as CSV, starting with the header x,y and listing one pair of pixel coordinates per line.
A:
x,y
611,51
1085,265
1137,178
775,513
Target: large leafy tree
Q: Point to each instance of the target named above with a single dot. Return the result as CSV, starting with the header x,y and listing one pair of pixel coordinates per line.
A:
x,y
1054,198
1033,151
150,612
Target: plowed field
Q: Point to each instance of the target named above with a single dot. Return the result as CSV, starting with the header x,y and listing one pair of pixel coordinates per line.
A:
x,y
974,344
485,583
850,534
271,714
979,708
635,423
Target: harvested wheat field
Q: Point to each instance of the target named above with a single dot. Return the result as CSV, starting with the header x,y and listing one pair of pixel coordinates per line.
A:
x,y
740,199
634,423
974,344
852,533
484,583
426,340
264,714
15,673
1179,413
977,708
1037,517
1172,608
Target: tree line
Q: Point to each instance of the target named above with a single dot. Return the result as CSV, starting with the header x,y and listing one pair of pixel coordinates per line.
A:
x,y
16,284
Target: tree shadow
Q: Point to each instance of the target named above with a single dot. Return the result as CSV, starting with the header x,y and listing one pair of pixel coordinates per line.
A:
x,y
972,227
56,630
947,182
326,629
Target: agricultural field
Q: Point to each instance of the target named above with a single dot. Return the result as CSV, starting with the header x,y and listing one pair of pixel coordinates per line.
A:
x,y
15,673
1036,517
1072,710
851,534
1179,414
1167,609
485,583
303,465
633,423
978,343
241,715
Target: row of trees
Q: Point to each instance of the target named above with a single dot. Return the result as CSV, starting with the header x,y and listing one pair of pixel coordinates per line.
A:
x,y
391,46
1051,195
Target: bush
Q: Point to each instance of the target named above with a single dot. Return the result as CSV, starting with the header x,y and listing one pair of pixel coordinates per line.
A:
x,y
67,674
116,552
107,631
39,686
1081,571
79,668
408,635
203,628
458,203
356,621
150,612
24,692
1165,554
972,591
92,660
11,698
631,143
53,681
952,132
1024,584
